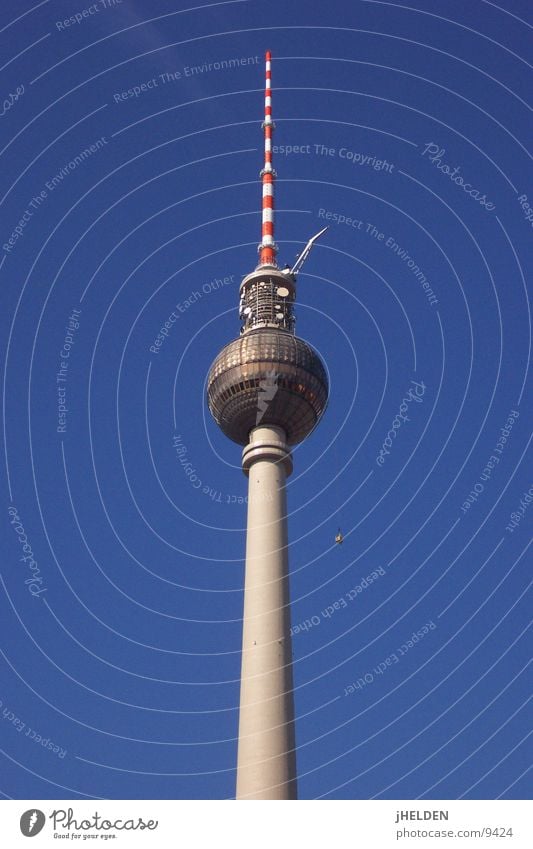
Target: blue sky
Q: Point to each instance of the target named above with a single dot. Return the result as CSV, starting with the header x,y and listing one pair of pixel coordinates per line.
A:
x,y
131,148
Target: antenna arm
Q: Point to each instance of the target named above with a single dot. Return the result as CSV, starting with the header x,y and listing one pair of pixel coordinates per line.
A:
x,y
306,251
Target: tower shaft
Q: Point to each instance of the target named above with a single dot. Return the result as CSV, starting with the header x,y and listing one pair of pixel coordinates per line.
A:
x,y
266,762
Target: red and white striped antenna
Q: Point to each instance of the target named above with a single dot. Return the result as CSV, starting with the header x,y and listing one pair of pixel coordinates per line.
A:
x,y
268,248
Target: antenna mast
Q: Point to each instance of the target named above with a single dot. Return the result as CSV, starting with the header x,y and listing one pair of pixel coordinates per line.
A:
x,y
268,248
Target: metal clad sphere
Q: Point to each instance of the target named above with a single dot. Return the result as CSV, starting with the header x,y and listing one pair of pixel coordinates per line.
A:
x,y
267,377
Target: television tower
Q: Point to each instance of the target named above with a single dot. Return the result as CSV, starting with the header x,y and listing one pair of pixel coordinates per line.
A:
x,y
266,391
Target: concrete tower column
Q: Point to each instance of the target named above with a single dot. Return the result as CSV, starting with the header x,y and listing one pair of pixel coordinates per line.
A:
x,y
266,761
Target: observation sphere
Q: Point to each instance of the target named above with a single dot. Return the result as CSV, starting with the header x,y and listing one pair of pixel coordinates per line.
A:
x,y
267,377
